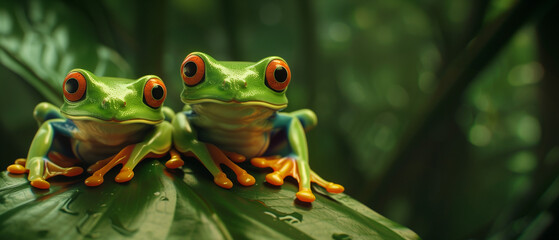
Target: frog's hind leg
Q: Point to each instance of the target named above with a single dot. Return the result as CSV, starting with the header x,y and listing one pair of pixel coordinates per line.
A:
x,y
176,161
223,157
156,144
235,157
62,160
185,141
120,158
219,157
100,168
99,164
62,165
127,173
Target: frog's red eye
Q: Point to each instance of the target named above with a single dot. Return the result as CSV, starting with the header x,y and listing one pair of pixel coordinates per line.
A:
x,y
154,93
192,70
74,86
278,75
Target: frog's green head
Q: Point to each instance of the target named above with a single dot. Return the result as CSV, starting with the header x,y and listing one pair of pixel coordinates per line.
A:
x,y
261,84
89,97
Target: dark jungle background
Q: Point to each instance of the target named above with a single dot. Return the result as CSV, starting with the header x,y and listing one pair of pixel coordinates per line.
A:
x,y
440,115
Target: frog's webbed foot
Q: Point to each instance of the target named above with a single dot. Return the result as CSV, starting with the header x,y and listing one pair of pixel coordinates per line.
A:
x,y
51,169
224,157
101,168
287,166
283,167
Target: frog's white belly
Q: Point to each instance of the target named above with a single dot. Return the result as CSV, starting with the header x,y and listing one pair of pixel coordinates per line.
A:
x,y
244,129
97,140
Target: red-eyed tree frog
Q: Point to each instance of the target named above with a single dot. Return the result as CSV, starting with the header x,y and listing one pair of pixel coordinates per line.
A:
x,y
232,112
103,122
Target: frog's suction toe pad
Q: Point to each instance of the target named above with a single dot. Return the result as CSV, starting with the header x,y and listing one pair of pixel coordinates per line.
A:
x,y
221,180
125,175
40,183
94,180
305,195
274,178
174,163
16,169
259,162
246,179
335,188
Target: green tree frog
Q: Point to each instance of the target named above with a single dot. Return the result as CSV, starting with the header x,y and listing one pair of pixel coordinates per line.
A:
x,y
103,122
232,112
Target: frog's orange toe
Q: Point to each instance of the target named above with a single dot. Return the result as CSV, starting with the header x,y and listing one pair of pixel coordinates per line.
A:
x,y
235,157
73,171
17,169
40,183
274,178
94,180
335,188
125,175
246,179
259,162
305,195
21,161
221,180
174,163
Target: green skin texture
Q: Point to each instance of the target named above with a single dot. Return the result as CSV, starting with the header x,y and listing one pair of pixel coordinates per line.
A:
x,y
111,104
240,85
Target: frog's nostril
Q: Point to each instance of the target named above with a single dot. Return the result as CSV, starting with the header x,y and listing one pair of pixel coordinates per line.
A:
x,y
104,103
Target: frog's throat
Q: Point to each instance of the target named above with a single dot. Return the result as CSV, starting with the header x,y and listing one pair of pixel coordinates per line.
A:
x,y
144,121
272,106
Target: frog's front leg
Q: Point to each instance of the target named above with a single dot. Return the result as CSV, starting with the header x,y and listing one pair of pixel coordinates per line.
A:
x,y
45,111
295,163
156,144
41,162
185,141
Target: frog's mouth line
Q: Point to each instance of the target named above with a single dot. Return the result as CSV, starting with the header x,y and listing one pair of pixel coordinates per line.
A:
x,y
247,103
113,120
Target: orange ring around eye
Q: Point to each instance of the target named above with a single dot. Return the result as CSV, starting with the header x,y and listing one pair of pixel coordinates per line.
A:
x,y
196,69
155,92
277,68
74,86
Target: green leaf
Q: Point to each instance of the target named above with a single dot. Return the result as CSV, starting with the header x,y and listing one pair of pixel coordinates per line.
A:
x,y
41,41
172,204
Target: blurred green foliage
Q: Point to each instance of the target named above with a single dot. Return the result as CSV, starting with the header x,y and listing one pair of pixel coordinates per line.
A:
x,y
440,115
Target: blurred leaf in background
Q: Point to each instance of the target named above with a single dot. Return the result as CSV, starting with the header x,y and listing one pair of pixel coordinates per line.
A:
x,y
441,115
